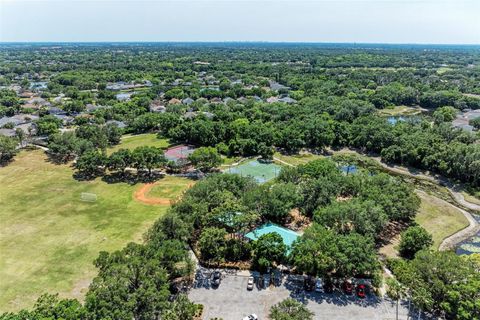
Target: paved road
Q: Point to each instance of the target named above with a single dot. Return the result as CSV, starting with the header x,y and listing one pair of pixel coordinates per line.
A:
x,y
231,301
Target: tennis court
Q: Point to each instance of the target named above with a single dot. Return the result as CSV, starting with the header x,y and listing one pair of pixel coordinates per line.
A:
x,y
261,172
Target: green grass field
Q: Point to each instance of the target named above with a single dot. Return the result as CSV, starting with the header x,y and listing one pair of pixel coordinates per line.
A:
x,y
133,141
439,218
169,186
471,198
49,237
399,111
297,159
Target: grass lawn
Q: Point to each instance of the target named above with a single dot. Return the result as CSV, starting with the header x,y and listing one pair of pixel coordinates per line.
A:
x,y
49,237
398,111
297,159
439,218
227,161
133,141
471,198
169,186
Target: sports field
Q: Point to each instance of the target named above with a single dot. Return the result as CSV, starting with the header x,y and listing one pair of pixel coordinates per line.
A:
x,y
169,186
49,237
261,172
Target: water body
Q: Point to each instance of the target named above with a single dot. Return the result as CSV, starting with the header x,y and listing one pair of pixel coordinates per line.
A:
x,y
471,245
393,120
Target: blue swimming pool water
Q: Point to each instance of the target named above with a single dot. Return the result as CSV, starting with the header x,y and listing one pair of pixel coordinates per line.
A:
x,y
351,169
287,235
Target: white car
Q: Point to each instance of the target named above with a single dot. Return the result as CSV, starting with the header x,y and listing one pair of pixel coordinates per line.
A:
x,y
250,283
253,316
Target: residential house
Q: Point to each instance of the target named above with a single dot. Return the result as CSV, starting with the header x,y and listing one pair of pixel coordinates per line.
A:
x,y
119,124
188,101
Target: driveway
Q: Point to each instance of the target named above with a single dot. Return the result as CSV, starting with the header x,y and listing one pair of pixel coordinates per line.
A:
x,y
231,300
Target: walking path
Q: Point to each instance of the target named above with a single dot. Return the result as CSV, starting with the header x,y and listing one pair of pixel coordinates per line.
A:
x,y
452,189
451,241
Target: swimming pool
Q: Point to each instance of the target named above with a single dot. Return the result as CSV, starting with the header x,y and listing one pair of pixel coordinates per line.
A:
x,y
349,169
287,235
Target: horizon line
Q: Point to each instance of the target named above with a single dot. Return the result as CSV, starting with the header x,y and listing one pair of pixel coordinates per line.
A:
x,y
238,41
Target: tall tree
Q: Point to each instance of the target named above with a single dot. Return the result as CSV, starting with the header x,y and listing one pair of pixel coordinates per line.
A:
x,y
290,309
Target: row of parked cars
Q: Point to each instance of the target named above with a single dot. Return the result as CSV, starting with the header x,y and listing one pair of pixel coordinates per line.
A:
x,y
328,285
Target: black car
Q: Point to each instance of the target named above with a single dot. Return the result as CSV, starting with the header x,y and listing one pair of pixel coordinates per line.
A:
x,y
328,286
309,284
216,278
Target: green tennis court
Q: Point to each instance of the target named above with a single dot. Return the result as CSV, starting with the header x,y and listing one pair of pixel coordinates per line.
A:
x,y
261,172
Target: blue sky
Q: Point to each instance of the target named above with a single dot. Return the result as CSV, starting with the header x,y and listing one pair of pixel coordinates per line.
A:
x,y
373,21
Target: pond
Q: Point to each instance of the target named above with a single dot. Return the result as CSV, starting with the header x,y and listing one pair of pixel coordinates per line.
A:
x,y
471,245
393,120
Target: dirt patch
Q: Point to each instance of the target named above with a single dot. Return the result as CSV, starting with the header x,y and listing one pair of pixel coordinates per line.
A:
x,y
81,288
298,222
141,195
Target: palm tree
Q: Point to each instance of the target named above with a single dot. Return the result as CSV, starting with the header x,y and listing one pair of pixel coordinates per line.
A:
x,y
20,136
395,291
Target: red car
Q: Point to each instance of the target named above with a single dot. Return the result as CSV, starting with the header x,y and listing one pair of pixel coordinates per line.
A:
x,y
348,287
361,291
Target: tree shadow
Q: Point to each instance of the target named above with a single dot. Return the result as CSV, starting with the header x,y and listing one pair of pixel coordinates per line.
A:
x,y
294,284
132,178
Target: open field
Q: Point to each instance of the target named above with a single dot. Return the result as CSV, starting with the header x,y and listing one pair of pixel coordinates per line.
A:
x,y
49,237
471,198
439,218
227,161
133,141
169,186
297,159
399,111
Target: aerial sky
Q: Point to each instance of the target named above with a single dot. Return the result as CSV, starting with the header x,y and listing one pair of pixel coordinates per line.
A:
x,y
361,21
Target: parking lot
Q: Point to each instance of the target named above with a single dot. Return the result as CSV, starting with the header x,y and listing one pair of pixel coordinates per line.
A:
x,y
231,300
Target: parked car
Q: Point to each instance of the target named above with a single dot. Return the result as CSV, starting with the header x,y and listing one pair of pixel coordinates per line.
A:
x,y
253,316
361,291
309,284
348,286
319,285
250,283
328,286
266,281
216,279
